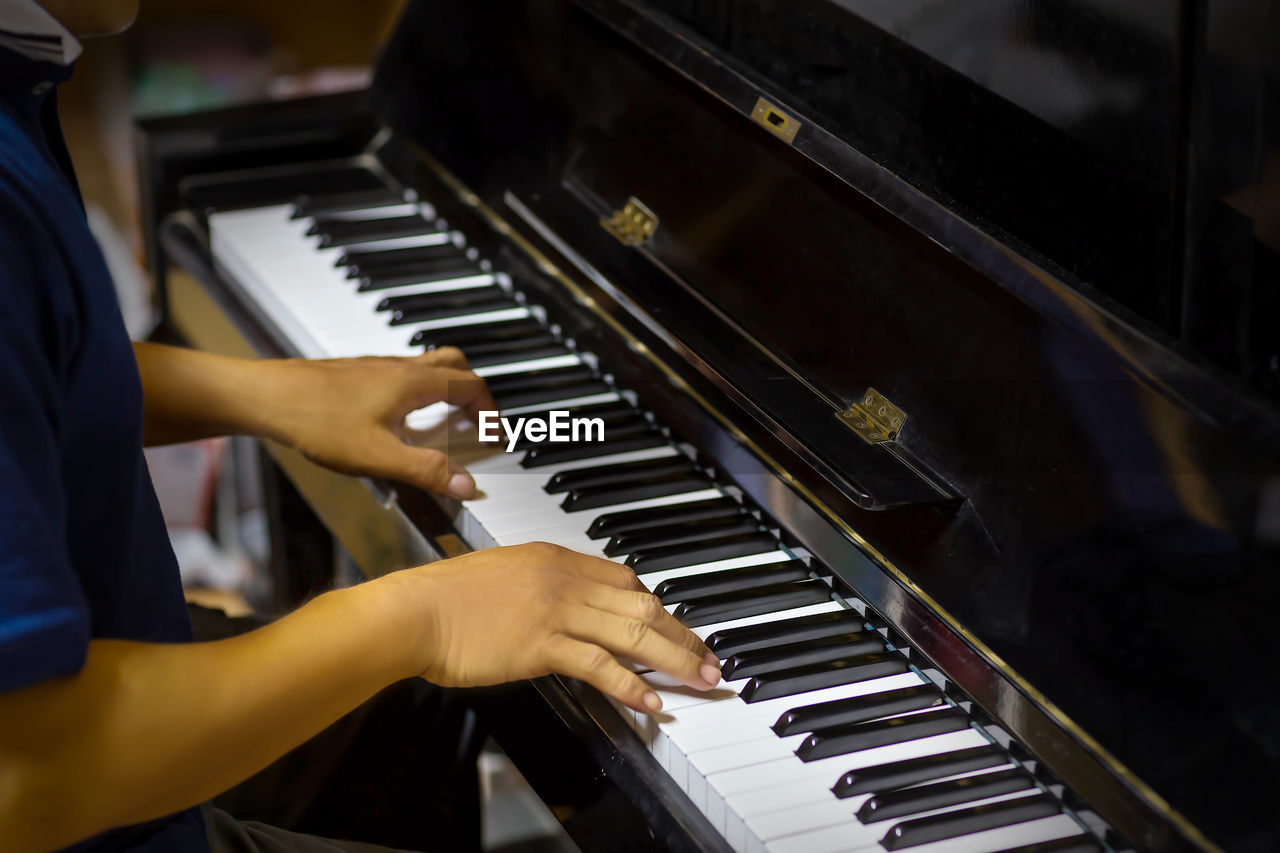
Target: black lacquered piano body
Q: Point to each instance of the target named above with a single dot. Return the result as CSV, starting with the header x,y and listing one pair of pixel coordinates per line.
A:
x,y
1042,233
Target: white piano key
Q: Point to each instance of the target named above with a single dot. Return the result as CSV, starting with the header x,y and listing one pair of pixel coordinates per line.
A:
x,y
820,810
546,363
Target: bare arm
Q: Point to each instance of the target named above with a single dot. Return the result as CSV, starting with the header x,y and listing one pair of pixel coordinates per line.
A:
x,y
144,730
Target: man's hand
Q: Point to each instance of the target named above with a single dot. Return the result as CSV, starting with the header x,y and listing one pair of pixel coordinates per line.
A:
x,y
348,414
504,614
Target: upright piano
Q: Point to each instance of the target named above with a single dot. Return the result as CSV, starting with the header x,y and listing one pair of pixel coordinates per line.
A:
x,y
937,346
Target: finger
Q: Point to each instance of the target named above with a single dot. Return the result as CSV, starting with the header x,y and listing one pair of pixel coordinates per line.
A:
x,y
592,664
444,357
427,469
639,641
647,608
604,571
460,388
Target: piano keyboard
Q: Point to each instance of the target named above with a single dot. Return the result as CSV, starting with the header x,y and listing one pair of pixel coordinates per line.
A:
x,y
823,736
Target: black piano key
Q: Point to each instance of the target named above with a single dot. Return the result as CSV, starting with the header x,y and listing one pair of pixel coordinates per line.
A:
x,y
480,333
803,653
616,523
366,260
447,298
938,795
557,454
1074,844
722,548
612,410
679,534
923,830
694,587
444,257
347,232
731,641
752,602
417,274
843,740
611,475
320,204
538,396
802,679
422,315
541,346
536,387
856,709
614,428
215,192
899,774
535,380
640,490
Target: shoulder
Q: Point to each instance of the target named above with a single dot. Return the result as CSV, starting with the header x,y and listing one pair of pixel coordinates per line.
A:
x,y
27,179
37,282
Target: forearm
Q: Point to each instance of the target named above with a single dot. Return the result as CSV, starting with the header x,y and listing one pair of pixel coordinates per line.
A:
x,y
145,730
189,394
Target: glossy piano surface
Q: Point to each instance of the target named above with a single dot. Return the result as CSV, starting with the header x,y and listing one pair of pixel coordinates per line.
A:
x,y
1115,540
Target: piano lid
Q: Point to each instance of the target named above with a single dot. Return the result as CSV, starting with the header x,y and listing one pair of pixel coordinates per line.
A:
x,y
1006,244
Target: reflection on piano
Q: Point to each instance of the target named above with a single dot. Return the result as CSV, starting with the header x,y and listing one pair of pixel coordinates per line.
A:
x,y
984,544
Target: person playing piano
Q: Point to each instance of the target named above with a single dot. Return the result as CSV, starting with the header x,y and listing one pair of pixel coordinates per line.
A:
x,y
113,726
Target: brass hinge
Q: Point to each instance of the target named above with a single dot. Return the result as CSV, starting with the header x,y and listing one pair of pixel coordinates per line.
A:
x,y
633,225
874,418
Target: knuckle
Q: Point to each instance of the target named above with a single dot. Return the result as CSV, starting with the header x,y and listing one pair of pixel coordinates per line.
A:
x,y
433,462
595,659
626,577
648,606
636,632
545,550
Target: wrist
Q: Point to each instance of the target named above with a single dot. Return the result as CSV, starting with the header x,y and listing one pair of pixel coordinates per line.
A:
x,y
408,618
274,389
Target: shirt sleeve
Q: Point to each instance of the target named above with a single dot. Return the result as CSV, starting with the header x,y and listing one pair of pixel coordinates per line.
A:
x,y
44,619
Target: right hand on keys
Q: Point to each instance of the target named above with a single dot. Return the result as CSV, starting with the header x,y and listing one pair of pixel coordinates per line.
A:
x,y
505,614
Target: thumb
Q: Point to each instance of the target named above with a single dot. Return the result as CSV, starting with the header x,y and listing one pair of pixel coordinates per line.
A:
x,y
427,469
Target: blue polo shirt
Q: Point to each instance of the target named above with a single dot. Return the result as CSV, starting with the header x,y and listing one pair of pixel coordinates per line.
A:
x,y
83,548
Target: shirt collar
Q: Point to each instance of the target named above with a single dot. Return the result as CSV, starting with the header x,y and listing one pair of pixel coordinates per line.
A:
x,y
26,28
